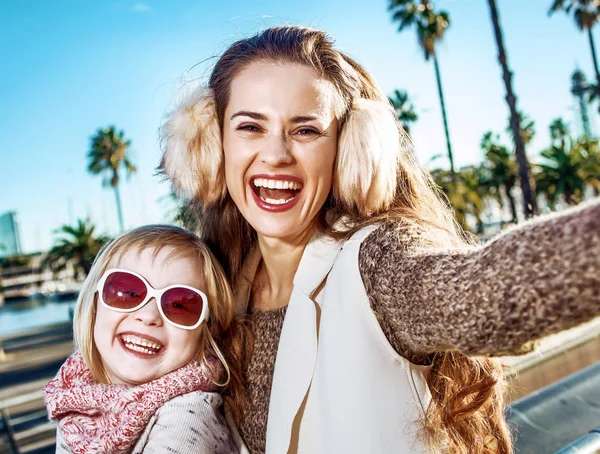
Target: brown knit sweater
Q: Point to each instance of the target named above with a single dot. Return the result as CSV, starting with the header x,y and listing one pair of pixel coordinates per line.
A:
x,y
530,282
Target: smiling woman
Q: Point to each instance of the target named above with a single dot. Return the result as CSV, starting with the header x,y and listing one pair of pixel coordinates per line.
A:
x,y
374,316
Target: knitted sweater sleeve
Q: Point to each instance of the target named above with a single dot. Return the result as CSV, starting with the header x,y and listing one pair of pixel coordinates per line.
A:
x,y
532,281
192,423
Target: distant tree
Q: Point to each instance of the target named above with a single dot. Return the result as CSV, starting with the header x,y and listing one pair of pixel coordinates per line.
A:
x,y
590,152
78,245
15,261
526,126
503,171
586,14
405,109
183,214
431,27
515,121
107,154
564,169
466,194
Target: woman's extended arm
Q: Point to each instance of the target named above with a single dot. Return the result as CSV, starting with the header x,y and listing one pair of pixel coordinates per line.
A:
x,y
537,279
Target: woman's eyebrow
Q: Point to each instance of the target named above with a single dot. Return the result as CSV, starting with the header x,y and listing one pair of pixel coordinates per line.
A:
x,y
263,117
247,113
303,118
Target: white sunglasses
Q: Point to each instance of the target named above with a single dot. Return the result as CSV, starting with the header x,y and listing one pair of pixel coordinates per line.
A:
x,y
127,291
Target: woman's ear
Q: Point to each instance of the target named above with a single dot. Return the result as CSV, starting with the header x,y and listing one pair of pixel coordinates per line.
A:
x,y
192,152
366,170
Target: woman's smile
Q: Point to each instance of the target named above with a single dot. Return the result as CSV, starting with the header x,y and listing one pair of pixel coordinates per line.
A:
x,y
277,192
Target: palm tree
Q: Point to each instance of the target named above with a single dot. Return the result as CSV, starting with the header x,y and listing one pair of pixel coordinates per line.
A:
x,y
77,245
586,14
107,154
562,172
466,193
515,122
431,27
589,150
181,212
503,169
405,109
473,190
526,126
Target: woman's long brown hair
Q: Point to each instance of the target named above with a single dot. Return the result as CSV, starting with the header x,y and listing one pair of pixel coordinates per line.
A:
x,y
466,411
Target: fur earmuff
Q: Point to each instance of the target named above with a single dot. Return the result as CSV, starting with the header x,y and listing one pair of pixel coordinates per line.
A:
x,y
367,161
192,151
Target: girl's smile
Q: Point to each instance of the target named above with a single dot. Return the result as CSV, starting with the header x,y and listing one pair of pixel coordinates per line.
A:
x,y
140,344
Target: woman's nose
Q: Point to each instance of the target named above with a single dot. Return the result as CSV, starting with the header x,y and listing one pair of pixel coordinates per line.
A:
x,y
276,151
149,314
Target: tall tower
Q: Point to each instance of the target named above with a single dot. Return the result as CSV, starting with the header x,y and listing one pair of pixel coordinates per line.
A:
x,y
9,234
579,88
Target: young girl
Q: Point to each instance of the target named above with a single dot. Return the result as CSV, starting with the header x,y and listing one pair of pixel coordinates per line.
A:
x,y
147,371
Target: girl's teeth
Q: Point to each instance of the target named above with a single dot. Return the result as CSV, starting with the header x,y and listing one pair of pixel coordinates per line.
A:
x,y
140,349
131,341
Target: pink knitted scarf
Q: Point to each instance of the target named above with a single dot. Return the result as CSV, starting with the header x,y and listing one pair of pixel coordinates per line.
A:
x,y
110,418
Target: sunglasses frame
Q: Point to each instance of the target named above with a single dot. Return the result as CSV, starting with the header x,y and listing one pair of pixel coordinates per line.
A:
x,y
152,292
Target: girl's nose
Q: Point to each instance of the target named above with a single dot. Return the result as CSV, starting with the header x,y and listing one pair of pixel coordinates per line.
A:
x,y
149,314
276,151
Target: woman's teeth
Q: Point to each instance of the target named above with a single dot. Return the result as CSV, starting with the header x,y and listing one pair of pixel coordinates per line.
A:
x,y
141,345
276,184
276,201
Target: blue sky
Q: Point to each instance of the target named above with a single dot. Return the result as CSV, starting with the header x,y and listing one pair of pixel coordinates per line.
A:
x,y
70,67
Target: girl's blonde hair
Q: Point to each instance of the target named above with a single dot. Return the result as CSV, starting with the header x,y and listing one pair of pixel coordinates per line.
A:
x,y
221,328
376,179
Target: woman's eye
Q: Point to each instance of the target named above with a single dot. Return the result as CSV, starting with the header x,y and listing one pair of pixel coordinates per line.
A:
x,y
308,132
248,128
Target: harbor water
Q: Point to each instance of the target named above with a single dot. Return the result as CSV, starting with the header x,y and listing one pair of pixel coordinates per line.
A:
x,y
31,313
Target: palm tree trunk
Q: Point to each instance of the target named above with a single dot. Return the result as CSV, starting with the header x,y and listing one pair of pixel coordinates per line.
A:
x,y
119,211
595,59
511,202
529,202
569,194
444,117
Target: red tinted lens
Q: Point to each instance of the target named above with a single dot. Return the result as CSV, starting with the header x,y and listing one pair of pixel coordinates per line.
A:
x,y
123,290
182,306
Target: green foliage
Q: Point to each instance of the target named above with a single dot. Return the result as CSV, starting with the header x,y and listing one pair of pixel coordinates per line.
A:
x,y
502,170
107,155
77,245
466,193
405,109
430,25
585,12
527,128
15,261
568,165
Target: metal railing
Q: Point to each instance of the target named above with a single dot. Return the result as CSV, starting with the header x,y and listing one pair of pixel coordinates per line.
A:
x,y
588,444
